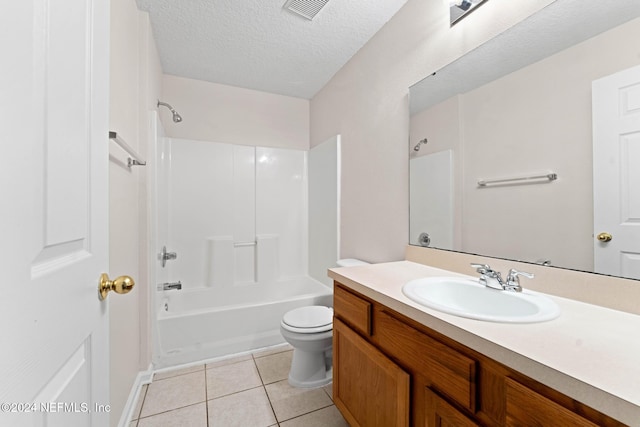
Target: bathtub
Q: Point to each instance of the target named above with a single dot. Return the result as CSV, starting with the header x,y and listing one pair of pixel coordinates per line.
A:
x,y
206,323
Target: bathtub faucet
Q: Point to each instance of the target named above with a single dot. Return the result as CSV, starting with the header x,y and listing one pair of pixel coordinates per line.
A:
x,y
170,285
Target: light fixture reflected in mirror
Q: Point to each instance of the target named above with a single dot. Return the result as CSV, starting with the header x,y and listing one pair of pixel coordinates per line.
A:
x,y
458,9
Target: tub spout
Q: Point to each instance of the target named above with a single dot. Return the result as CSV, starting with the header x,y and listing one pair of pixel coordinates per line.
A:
x,y
170,285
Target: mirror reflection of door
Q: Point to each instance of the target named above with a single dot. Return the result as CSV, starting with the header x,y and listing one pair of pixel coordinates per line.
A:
x,y
616,176
431,187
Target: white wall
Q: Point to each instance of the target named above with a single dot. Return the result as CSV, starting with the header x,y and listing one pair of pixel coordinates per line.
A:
x,y
554,133
366,102
324,208
216,112
135,77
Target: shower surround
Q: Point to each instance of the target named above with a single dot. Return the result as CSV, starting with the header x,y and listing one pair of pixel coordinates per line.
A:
x,y
237,217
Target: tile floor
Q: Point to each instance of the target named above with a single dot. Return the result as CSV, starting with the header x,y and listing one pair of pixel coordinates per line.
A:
x,y
248,391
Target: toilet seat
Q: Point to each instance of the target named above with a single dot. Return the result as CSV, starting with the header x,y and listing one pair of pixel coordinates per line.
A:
x,y
308,320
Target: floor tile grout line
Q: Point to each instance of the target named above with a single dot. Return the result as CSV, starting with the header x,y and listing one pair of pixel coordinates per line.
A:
x,y
142,396
275,380
173,409
177,375
307,413
271,405
206,396
270,354
235,392
325,390
224,364
258,371
264,387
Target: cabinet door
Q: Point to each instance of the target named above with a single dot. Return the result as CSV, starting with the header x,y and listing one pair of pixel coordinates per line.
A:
x,y
442,414
527,408
368,388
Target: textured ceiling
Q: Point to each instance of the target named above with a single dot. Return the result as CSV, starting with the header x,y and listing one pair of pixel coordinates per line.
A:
x,y
256,44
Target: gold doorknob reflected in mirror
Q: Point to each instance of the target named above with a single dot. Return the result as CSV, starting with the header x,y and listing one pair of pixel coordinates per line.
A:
x,y
121,285
604,237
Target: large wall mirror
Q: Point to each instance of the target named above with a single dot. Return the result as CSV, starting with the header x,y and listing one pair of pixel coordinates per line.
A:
x,y
502,143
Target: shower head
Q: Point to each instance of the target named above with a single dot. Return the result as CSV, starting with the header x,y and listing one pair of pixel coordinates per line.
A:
x,y
417,147
177,118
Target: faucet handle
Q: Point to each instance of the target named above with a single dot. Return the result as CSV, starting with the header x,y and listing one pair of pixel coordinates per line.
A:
x,y
513,281
513,275
481,268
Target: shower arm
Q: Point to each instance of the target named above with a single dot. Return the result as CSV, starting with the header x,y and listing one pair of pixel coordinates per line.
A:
x,y
177,118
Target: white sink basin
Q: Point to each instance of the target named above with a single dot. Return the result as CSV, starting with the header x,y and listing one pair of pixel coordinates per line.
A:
x,y
468,298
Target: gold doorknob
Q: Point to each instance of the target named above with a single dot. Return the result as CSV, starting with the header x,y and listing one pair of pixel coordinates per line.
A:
x,y
121,285
604,237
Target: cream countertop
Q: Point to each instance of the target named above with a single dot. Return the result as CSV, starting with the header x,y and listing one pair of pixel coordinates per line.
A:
x,y
589,353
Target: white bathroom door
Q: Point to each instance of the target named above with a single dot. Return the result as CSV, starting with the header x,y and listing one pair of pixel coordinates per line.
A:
x,y
616,173
54,200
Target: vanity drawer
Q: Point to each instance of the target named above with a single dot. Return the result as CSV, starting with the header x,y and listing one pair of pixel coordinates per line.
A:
x,y
353,310
439,413
448,371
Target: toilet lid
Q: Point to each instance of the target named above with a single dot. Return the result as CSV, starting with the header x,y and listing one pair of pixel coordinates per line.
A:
x,y
315,318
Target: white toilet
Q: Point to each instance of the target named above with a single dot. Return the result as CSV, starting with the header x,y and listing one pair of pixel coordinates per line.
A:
x,y
309,330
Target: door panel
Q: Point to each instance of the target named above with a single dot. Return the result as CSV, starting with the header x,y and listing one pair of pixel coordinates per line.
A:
x,y
369,389
616,176
54,245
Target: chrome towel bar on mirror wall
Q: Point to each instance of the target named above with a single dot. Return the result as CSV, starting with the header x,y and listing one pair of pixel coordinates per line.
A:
x,y
135,159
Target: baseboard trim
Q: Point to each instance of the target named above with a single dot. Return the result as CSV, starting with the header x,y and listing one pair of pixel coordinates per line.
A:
x,y
143,377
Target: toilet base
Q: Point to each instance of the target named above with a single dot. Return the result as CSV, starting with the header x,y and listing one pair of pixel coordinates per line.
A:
x,y
313,384
310,369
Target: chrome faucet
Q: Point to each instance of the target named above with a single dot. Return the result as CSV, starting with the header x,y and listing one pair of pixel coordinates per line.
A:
x,y
488,277
170,285
493,279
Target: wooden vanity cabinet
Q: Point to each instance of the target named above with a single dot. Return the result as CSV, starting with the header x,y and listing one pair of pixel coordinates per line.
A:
x,y
369,388
389,370
439,412
525,407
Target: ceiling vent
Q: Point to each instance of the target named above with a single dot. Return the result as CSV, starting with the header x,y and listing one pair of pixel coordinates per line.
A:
x,y
305,8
